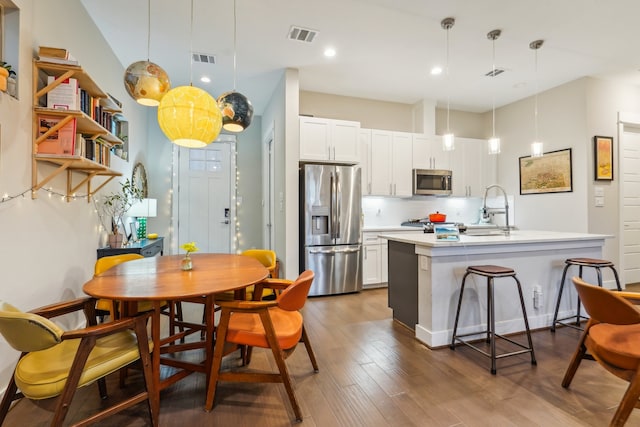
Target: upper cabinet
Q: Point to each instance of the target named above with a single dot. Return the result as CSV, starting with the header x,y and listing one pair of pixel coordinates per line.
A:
x,y
327,140
428,153
386,163
473,168
72,128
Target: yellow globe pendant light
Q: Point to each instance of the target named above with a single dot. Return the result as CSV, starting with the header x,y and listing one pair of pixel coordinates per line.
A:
x,y
189,117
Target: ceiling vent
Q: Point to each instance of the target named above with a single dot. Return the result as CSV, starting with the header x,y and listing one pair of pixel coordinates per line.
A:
x,y
496,72
203,57
302,34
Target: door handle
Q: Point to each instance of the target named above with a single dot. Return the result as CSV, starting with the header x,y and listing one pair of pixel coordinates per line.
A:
x,y
226,221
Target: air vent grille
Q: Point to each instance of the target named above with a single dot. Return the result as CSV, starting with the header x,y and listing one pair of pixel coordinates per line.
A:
x,y
302,34
494,73
205,58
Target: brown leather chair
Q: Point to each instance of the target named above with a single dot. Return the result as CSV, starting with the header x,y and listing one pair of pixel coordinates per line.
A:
x,y
611,337
55,362
277,325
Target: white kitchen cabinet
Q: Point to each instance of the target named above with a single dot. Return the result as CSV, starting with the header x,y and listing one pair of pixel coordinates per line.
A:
x,y
365,160
328,140
428,153
371,260
472,168
390,163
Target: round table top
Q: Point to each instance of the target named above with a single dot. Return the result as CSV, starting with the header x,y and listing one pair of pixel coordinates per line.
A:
x,y
161,278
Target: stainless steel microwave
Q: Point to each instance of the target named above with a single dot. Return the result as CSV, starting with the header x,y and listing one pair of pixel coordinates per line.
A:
x,y
432,182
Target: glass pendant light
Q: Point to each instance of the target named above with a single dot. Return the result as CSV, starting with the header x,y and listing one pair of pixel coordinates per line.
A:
x,y
494,141
145,81
236,109
537,149
188,115
448,139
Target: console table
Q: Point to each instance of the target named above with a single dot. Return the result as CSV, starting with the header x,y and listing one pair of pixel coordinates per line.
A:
x,y
144,247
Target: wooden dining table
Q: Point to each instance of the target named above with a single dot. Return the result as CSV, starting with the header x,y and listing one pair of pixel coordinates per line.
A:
x,y
160,280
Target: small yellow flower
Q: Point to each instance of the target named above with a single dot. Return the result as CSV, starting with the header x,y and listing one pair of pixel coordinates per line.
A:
x,y
189,247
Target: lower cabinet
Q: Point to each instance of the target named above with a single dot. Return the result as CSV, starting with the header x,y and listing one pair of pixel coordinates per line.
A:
x,y
375,265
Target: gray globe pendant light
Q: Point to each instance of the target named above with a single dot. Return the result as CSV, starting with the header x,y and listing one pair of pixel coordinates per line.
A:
x,y
145,81
236,109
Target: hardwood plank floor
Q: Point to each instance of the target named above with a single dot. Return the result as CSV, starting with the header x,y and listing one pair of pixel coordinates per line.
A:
x,y
374,373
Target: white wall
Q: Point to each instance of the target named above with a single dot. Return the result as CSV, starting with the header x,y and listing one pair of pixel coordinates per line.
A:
x,y
48,246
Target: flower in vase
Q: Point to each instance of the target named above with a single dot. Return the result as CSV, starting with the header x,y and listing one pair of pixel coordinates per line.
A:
x,y
189,247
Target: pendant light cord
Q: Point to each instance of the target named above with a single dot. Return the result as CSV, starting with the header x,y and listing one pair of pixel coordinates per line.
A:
x,y
535,110
191,48
493,76
235,24
448,79
148,29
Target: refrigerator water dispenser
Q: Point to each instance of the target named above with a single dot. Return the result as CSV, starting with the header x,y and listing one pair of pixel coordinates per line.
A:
x,y
320,224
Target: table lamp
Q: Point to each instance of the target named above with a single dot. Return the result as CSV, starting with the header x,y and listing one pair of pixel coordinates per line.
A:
x,y
141,210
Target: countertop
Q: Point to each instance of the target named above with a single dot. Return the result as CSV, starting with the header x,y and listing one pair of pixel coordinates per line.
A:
x,y
516,237
385,228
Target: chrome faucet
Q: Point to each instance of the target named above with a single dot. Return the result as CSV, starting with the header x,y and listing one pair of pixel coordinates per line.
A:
x,y
485,212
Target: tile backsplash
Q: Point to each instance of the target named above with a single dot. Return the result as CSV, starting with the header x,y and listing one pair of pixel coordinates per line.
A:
x,y
384,211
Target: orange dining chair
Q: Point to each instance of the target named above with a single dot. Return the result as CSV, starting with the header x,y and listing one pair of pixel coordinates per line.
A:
x,y
55,362
277,325
611,337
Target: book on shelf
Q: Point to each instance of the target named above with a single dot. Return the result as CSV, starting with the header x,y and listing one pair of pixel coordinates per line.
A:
x,y
65,96
61,141
56,55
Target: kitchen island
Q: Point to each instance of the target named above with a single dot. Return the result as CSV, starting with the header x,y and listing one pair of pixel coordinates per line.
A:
x,y
425,277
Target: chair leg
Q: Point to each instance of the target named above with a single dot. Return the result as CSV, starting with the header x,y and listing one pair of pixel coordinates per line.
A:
x,y
452,346
576,359
555,313
278,355
526,321
153,395
628,402
9,396
221,336
65,398
615,274
492,325
307,345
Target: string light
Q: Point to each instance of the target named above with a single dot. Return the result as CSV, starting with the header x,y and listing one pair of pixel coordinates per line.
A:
x,y
6,197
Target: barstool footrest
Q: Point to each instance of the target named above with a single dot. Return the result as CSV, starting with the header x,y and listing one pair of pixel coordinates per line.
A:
x,y
525,349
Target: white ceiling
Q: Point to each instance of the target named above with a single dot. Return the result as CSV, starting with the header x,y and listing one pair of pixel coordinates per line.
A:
x,y
385,48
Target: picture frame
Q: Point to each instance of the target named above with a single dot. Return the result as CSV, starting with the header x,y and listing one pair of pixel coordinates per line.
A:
x,y
550,173
134,231
603,158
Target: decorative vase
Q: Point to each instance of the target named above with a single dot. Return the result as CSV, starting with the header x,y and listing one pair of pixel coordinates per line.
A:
x,y
115,240
186,263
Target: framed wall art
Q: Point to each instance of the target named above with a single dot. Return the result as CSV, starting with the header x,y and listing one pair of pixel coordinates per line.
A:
x,y
603,157
550,173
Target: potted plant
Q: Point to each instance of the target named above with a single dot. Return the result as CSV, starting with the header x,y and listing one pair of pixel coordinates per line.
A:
x,y
5,72
113,207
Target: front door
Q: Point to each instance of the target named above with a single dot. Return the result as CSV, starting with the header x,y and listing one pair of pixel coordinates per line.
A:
x,y
631,204
206,214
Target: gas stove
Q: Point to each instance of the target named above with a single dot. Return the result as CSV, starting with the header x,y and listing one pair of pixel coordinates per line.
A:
x,y
428,226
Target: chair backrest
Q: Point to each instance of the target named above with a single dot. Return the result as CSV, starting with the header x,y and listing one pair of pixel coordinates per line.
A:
x,y
605,306
265,256
105,263
27,332
294,296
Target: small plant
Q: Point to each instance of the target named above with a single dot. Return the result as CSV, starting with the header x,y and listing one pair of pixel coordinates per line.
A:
x,y
189,247
8,68
112,207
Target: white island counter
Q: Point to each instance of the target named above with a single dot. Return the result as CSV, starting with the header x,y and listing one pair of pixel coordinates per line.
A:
x,y
425,276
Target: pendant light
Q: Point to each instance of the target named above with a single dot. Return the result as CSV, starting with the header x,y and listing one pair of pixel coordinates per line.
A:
x,y
145,81
236,109
448,139
188,115
494,141
537,149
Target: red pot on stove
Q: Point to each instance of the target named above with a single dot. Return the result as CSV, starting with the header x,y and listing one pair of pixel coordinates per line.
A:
x,y
437,217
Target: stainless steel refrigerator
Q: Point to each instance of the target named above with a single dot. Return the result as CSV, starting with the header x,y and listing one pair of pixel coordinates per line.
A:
x,y
331,227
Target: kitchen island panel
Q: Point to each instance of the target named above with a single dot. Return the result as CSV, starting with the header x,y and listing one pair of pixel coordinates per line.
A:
x,y
537,262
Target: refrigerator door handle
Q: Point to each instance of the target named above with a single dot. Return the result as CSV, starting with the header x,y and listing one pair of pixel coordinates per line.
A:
x,y
334,251
332,209
338,205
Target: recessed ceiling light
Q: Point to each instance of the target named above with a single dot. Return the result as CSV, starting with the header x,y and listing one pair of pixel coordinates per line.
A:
x,y
436,71
329,52
205,79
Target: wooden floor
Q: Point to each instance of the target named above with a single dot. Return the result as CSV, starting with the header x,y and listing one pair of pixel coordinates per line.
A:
x,y
374,373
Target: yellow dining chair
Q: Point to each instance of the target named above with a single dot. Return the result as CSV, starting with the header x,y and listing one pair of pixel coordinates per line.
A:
x,y
55,362
276,325
611,337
